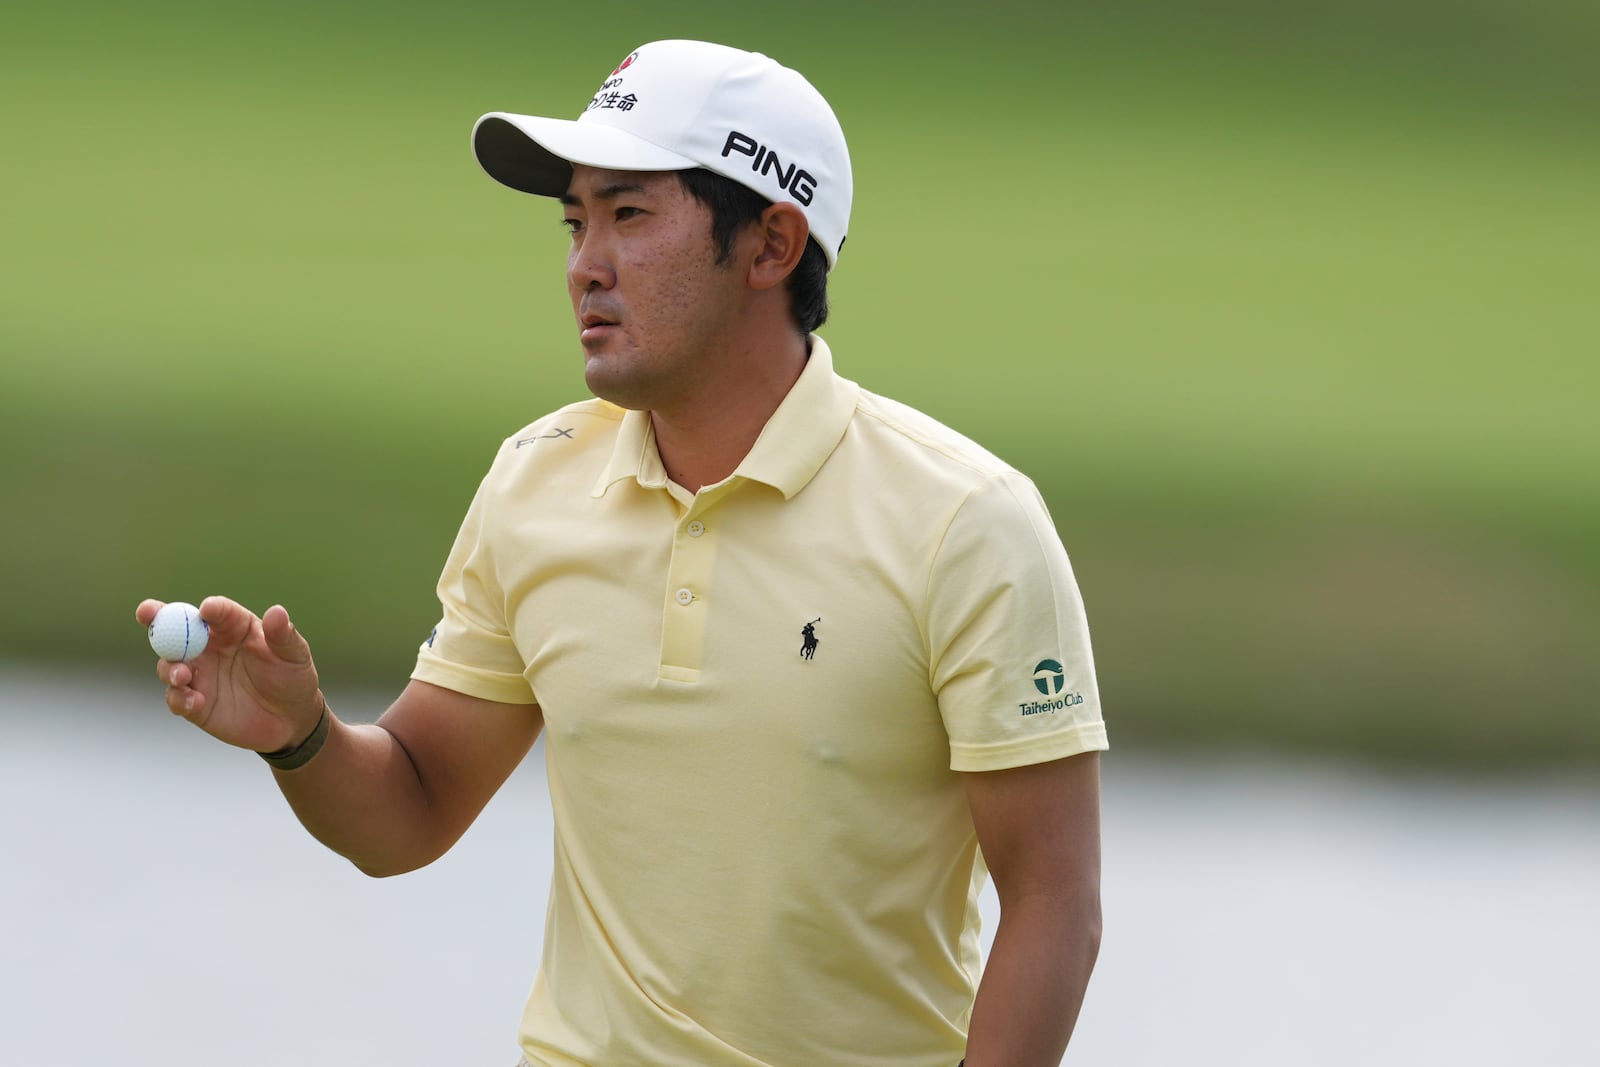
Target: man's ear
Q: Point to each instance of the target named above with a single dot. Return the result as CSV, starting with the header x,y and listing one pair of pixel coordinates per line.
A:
x,y
782,231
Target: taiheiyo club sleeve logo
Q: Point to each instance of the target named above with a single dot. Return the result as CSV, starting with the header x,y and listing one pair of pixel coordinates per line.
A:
x,y
1050,678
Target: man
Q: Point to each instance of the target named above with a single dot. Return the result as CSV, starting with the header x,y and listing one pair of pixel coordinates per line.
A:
x,y
762,858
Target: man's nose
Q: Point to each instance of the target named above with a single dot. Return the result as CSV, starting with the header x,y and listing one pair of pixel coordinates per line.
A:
x,y
588,267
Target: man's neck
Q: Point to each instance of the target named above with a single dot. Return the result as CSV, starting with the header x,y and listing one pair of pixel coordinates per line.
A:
x,y
702,443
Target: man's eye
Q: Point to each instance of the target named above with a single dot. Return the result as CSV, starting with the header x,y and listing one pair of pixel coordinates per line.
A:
x,y
572,225
627,213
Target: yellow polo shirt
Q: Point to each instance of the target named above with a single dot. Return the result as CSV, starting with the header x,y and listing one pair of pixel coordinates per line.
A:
x,y
763,854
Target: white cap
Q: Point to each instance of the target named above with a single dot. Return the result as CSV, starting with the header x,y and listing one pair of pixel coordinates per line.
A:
x,y
674,105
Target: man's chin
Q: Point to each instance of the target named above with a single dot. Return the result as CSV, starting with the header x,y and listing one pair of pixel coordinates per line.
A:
x,y
606,383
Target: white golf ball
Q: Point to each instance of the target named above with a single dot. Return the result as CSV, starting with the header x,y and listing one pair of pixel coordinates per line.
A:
x,y
178,632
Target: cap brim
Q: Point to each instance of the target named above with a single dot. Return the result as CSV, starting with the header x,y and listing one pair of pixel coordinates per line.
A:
x,y
535,155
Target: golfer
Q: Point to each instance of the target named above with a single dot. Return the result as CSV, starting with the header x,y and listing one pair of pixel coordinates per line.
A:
x,y
762,858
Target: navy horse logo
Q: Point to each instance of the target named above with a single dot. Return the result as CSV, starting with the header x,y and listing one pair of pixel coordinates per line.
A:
x,y
808,646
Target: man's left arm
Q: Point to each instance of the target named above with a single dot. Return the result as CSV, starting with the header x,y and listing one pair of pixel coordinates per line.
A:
x,y
1039,829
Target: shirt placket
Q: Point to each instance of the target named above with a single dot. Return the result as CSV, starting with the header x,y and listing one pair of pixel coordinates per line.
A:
x,y
689,595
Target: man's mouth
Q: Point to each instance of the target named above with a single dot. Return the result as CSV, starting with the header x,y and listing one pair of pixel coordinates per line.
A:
x,y
594,326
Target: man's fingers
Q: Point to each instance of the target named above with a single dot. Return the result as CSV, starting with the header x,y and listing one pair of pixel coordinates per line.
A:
x,y
174,673
229,620
185,702
284,640
146,611
181,699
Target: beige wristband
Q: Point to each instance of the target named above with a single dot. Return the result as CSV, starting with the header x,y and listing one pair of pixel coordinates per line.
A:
x,y
287,759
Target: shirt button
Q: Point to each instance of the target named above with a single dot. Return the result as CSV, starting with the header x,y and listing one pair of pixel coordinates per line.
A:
x,y
685,596
696,528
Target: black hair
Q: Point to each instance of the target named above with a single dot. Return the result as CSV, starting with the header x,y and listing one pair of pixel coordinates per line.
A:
x,y
734,206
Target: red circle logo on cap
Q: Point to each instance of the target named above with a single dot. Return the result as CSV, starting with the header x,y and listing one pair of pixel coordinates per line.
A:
x,y
625,64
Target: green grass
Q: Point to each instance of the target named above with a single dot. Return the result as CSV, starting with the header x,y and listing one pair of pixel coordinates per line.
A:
x,y
1291,318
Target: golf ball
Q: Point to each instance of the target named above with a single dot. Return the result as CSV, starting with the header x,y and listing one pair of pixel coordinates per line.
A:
x,y
178,632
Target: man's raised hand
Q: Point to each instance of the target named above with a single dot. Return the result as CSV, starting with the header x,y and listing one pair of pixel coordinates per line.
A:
x,y
254,686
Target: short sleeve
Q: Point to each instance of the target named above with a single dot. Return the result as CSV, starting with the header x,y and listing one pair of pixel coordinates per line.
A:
x,y
471,650
1009,648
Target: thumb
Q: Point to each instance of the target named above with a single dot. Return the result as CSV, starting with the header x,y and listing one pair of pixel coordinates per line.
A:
x,y
282,637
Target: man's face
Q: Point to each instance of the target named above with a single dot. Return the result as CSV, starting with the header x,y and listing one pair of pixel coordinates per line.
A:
x,y
651,303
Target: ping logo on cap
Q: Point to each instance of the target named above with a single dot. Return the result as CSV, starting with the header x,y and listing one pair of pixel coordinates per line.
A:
x,y
798,183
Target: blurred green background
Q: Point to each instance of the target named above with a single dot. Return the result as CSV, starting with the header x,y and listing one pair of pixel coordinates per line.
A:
x,y
1290,310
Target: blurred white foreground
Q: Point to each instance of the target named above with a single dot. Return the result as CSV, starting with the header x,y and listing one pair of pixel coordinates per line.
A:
x,y
161,906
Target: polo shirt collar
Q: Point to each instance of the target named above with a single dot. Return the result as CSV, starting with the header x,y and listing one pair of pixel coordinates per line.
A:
x,y
796,441
633,455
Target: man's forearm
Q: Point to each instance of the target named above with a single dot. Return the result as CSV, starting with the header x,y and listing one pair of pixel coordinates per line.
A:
x,y
361,797
1034,980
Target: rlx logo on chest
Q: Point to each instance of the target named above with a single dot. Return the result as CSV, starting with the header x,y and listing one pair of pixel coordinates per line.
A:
x,y
567,433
